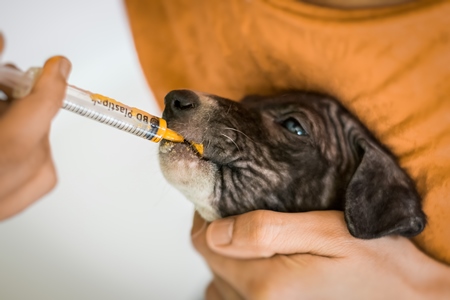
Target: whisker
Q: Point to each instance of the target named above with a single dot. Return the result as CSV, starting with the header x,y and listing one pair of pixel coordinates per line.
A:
x,y
234,129
232,141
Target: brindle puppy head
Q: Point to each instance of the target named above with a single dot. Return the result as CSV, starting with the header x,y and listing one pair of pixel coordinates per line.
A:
x,y
291,153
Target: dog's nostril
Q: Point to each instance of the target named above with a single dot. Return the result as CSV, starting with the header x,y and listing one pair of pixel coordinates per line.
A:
x,y
182,106
181,100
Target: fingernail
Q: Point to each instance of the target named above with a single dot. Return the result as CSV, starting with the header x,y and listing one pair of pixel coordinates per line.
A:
x,y
64,67
221,232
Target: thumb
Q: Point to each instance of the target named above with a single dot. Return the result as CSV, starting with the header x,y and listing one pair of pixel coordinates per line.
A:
x,y
263,233
30,116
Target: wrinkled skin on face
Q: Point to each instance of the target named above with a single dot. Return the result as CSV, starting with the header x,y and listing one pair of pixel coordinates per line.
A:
x,y
291,152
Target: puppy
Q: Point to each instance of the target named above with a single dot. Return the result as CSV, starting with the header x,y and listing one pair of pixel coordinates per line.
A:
x,y
292,152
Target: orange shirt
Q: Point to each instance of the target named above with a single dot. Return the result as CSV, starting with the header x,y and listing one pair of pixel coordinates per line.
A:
x,y
390,66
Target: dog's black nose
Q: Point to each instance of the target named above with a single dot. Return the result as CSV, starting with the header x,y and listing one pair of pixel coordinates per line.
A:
x,y
180,102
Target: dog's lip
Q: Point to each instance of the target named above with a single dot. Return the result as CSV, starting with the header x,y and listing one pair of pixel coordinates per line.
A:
x,y
166,148
197,148
181,149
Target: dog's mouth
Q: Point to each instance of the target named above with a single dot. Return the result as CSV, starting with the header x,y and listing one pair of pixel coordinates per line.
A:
x,y
197,148
186,149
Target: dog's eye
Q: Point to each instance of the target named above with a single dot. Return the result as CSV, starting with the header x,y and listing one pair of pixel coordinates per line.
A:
x,y
293,126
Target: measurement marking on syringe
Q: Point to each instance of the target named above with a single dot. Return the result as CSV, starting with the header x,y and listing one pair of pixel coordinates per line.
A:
x,y
96,107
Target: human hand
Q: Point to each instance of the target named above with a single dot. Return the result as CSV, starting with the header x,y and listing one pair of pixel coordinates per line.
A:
x,y
271,255
26,167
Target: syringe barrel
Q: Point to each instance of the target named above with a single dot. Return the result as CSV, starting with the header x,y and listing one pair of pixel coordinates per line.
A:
x,y
94,106
113,113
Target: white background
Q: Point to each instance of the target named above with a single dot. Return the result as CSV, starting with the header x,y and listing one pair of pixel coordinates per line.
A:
x,y
113,228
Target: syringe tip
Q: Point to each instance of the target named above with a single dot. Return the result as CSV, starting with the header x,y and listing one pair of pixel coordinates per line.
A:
x,y
173,136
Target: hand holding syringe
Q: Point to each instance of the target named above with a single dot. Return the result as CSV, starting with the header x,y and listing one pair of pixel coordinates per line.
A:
x,y
97,107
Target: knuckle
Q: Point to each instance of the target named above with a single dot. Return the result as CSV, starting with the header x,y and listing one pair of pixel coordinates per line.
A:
x,y
258,237
260,216
260,229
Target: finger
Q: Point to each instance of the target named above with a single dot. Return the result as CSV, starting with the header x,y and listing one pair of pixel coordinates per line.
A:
x,y
29,118
245,277
18,170
42,183
230,269
266,233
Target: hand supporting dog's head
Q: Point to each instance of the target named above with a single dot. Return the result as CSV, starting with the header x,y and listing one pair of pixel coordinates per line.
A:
x,y
291,153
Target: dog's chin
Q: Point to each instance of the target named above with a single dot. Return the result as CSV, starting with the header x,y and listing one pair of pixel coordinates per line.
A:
x,y
193,176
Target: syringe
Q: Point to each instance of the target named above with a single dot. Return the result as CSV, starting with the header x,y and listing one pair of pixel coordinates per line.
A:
x,y
97,107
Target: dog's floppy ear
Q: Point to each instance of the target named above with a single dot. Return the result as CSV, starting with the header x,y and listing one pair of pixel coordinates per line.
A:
x,y
381,199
